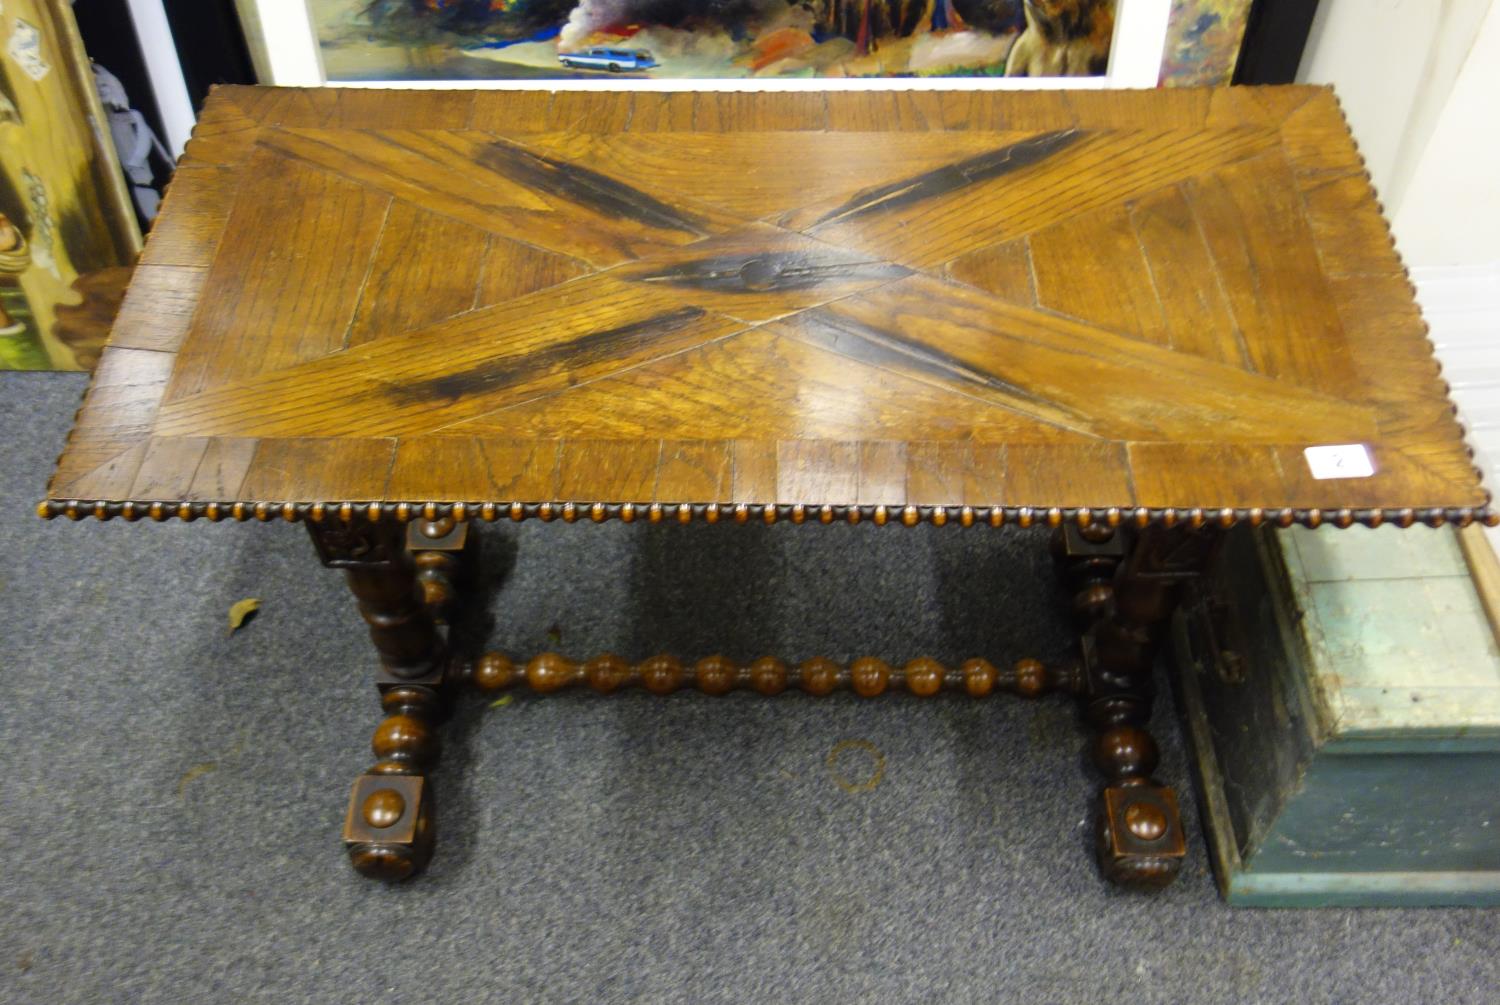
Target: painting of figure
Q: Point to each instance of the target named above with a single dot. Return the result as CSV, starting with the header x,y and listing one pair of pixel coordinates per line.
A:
x,y
1063,38
362,40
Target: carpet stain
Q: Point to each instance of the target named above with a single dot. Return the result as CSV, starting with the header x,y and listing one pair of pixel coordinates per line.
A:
x,y
208,767
842,751
196,771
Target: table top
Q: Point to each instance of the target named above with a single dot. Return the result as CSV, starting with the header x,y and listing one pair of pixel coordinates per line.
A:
x,y
934,305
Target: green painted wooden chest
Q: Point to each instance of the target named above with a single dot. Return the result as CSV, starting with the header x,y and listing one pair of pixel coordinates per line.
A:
x,y
1342,696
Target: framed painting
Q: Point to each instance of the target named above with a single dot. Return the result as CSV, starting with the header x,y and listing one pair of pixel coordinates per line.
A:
x,y
1204,38
708,44
67,232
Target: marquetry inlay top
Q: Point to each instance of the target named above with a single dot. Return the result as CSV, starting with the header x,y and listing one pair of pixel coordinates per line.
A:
x,y
1142,300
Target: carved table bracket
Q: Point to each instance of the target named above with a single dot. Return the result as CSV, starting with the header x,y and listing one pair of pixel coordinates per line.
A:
x,y
378,568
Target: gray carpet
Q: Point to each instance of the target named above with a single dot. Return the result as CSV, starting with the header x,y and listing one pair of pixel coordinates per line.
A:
x,y
172,795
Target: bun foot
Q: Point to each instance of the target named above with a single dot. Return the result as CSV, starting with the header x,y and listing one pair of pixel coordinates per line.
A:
x,y
1139,837
388,832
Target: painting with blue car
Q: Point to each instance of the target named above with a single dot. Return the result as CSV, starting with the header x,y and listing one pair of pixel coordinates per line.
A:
x,y
392,40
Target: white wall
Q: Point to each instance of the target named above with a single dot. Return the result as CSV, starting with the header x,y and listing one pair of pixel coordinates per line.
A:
x,y
1449,213
1420,82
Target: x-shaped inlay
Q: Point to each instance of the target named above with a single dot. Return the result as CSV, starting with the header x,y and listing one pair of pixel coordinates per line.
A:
x,y
856,270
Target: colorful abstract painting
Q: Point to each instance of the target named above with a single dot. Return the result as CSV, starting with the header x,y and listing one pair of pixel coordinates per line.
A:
x,y
1203,41
362,40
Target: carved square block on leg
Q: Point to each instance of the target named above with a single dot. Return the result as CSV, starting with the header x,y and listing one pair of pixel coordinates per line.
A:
x,y
388,830
1140,839
436,547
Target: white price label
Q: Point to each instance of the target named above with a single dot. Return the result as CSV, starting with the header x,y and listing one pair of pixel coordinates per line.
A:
x,y
1343,460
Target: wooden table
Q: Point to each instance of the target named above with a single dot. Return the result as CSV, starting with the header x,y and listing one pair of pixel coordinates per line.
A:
x,y
1125,315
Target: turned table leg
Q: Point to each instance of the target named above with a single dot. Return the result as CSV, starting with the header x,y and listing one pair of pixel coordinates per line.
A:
x,y
1125,594
440,551
389,831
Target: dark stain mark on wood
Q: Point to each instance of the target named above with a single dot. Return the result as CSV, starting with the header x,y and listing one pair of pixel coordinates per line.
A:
x,y
879,347
587,188
573,354
768,272
950,177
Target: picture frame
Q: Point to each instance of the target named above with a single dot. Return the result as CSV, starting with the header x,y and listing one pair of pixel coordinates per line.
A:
x,y
284,48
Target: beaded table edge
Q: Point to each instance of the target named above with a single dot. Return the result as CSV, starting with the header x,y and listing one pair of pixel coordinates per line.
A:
x,y
769,513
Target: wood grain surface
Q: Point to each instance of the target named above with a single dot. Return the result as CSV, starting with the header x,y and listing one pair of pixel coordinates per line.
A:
x,y
980,306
